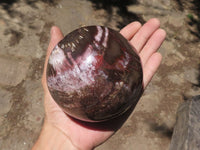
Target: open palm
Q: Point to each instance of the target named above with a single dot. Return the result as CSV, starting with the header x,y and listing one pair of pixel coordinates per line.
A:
x,y
146,39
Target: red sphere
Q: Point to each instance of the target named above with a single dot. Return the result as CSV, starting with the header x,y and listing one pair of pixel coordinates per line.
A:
x,y
94,74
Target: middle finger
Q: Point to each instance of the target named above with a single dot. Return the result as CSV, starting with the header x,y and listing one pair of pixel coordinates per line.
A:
x,y
142,36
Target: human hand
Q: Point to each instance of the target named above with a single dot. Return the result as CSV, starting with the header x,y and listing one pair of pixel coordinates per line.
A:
x,y
73,134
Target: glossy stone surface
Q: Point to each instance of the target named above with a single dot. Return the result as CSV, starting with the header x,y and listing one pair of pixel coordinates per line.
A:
x,y
94,74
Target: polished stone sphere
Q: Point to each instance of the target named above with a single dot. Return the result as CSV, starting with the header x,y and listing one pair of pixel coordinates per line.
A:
x,y
94,74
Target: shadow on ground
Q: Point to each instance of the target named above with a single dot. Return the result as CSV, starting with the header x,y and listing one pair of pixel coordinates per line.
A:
x,y
122,10
194,7
197,85
196,21
7,4
162,129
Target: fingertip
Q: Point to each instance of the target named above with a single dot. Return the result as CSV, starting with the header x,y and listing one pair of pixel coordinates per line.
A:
x,y
136,24
54,29
155,60
151,67
158,57
129,31
56,36
154,21
56,32
162,32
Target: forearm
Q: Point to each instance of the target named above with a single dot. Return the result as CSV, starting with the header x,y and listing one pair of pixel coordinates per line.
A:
x,y
52,138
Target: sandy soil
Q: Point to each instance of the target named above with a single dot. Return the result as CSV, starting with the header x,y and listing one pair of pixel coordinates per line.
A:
x,y
24,37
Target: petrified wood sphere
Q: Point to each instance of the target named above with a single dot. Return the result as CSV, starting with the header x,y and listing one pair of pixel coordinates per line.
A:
x,y
94,74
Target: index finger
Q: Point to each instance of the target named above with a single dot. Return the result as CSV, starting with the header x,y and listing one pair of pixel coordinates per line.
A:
x,y
129,31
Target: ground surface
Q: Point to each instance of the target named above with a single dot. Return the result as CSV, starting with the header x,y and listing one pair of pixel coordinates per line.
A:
x,y
24,36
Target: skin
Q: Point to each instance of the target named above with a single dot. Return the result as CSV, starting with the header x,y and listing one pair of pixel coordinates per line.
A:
x,y
63,132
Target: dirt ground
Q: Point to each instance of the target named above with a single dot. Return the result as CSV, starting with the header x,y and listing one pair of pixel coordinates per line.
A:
x,y
24,37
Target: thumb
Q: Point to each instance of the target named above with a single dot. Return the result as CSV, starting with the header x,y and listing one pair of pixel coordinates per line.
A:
x,y
56,36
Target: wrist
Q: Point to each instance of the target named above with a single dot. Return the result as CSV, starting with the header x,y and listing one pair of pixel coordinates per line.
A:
x,y
51,138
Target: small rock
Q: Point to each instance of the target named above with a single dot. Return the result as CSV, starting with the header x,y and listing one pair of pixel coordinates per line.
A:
x,y
191,75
